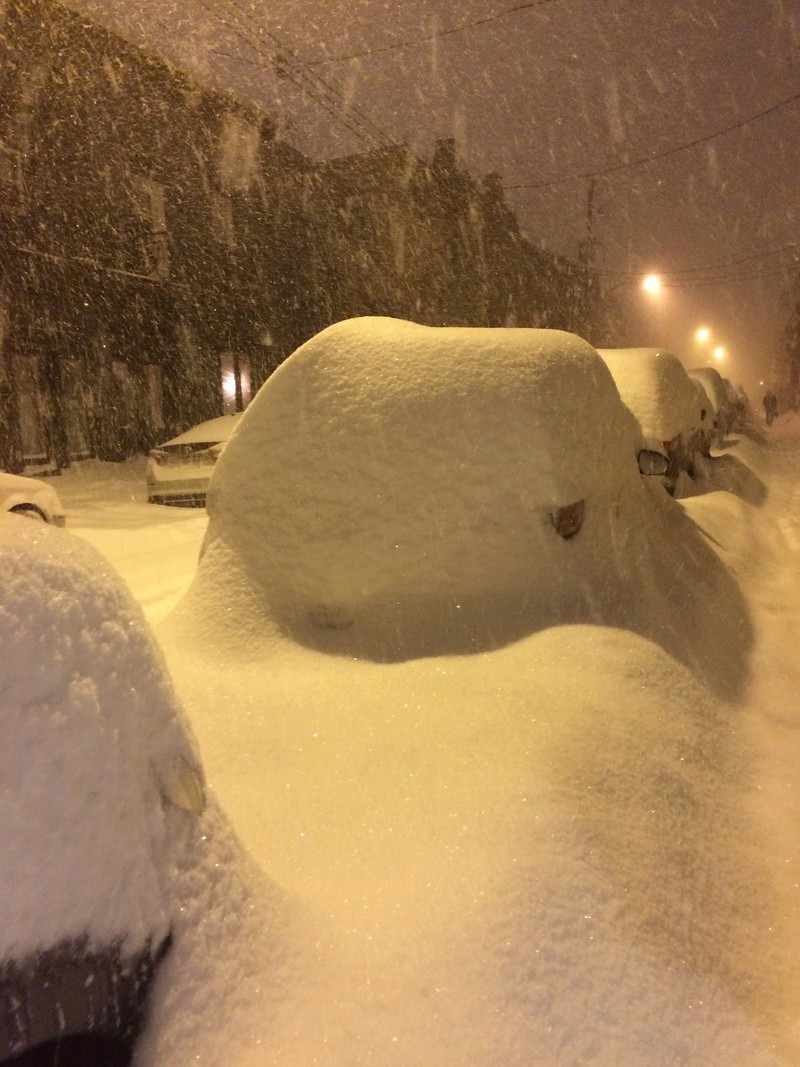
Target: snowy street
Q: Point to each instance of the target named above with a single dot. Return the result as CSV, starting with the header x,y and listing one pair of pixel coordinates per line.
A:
x,y
154,548
518,864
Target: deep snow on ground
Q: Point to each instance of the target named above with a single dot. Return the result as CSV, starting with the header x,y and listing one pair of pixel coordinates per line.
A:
x,y
154,547
579,845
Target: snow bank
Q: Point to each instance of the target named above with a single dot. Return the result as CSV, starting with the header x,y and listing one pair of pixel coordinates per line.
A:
x,y
656,388
540,854
91,741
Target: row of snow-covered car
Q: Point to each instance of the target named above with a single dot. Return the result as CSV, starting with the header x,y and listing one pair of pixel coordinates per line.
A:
x,y
681,413
395,491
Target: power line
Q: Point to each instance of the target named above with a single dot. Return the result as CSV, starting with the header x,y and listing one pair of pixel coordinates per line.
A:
x,y
742,276
659,155
287,58
329,103
711,266
746,275
412,42
268,60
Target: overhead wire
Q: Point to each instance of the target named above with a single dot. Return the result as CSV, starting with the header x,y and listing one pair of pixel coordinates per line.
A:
x,y
365,130
412,42
287,53
713,272
643,160
713,267
711,281
268,60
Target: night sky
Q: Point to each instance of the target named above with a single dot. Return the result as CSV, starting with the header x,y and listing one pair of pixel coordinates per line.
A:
x,y
546,93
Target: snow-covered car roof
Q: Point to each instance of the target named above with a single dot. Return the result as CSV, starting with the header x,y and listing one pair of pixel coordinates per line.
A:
x,y
20,493
655,386
713,383
212,431
385,458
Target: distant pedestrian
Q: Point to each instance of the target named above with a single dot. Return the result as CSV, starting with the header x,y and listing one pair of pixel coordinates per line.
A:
x,y
770,406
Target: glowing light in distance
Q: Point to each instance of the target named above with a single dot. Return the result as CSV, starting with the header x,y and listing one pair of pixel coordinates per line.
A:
x,y
703,334
719,352
651,283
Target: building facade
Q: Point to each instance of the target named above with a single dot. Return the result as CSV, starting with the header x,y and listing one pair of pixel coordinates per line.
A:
x,y
161,251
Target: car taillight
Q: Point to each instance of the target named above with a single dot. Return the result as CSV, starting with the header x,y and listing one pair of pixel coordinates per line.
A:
x,y
567,520
157,455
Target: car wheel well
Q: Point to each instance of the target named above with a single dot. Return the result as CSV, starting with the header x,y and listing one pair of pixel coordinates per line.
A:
x,y
30,511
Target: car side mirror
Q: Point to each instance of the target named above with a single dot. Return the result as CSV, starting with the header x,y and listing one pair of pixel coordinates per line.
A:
x,y
652,462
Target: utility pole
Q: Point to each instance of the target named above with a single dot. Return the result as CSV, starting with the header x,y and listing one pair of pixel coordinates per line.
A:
x,y
587,256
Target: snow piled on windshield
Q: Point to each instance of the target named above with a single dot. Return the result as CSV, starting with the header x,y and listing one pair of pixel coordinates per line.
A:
x,y
91,741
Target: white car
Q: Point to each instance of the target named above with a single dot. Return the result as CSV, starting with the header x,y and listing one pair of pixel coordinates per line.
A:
x,y
178,471
31,497
654,385
726,406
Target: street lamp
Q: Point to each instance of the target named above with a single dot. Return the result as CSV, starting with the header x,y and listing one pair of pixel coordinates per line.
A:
x,y
651,283
702,335
719,352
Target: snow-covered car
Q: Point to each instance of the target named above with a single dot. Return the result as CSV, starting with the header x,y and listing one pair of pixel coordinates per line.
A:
x,y
654,385
178,471
726,408
31,497
390,477
93,751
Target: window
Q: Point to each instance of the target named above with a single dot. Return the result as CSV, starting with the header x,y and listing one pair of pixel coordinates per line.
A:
x,y
149,204
236,379
238,154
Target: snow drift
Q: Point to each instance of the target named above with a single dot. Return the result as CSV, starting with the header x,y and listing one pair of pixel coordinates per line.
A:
x,y
503,789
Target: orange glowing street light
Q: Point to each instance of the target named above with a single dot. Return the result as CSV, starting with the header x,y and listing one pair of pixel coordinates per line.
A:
x,y
651,283
719,352
702,335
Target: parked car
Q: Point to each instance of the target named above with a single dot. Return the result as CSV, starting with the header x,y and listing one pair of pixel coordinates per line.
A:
x,y
380,512
31,497
178,471
93,749
727,411
655,387
703,434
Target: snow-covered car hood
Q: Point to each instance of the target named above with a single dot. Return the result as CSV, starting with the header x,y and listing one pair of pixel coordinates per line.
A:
x,y
213,431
